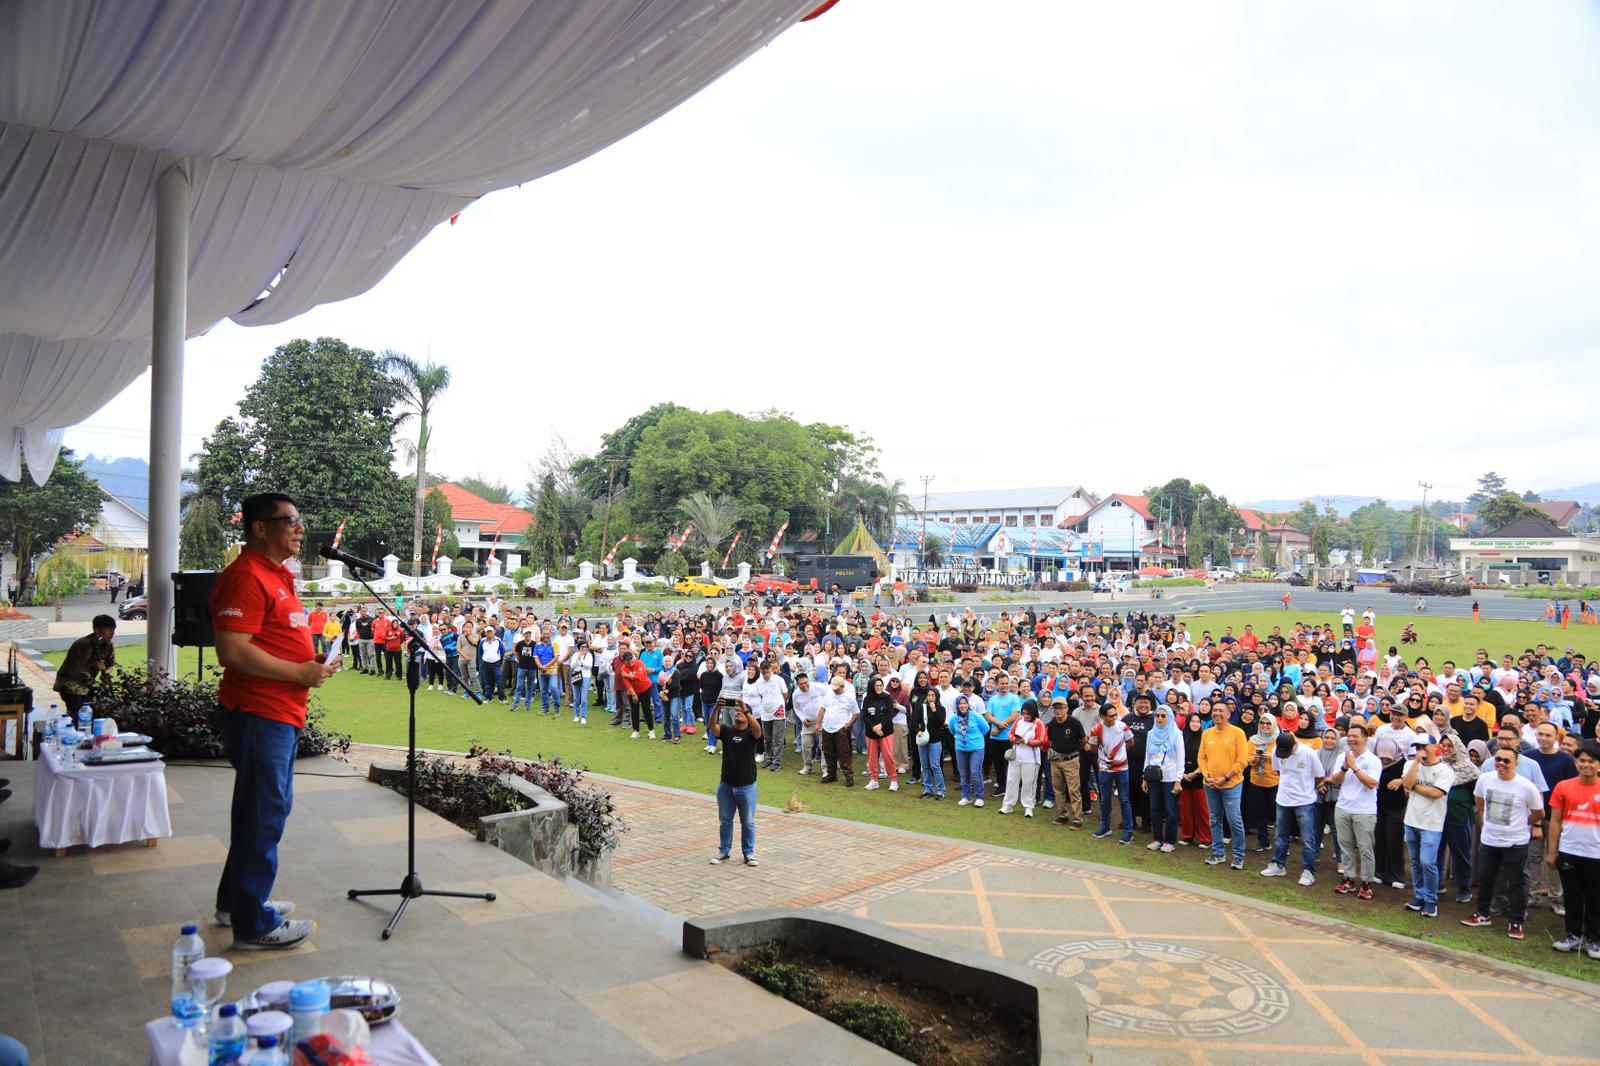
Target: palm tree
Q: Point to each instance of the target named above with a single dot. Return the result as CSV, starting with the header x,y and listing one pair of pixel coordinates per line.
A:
x,y
713,519
932,552
417,386
895,501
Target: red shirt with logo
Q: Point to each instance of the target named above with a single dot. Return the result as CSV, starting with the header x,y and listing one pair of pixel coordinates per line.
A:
x,y
1579,805
255,595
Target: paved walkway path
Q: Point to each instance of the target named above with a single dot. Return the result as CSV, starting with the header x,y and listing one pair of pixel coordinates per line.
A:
x,y
1172,973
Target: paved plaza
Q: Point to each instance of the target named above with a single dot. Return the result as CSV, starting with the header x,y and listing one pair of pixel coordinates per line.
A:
x,y
1172,973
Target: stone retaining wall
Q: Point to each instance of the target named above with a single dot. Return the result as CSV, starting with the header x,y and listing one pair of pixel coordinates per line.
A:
x,y
23,628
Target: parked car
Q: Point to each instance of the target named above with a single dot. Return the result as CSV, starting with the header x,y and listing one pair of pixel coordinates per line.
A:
x,y
699,586
763,583
1297,580
138,607
1219,573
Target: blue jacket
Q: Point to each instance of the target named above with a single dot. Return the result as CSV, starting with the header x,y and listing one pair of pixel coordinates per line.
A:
x,y
969,731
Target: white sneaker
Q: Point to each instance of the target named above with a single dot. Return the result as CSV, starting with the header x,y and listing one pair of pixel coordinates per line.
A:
x,y
871,786
652,735
883,773
805,769
977,803
633,735
894,786
1004,809
1027,812
1154,845
1273,870
760,758
1168,849
1307,879
1049,805
963,802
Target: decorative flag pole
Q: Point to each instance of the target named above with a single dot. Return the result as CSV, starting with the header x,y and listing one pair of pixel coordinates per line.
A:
x,y
732,546
338,534
438,539
492,546
676,542
612,554
772,549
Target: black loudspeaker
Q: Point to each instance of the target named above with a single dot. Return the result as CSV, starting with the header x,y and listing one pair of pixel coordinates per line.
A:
x,y
191,614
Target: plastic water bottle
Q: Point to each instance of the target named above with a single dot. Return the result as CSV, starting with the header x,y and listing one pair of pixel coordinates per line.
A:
x,y
50,750
228,1037
187,1011
308,1006
267,1053
85,720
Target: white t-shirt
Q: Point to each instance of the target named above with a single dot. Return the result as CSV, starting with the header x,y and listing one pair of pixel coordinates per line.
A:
x,y
838,708
1505,809
1348,617
1355,797
1427,812
1026,730
808,704
1297,776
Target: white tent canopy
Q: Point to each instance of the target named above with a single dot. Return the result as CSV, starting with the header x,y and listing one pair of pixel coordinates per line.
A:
x,y
303,145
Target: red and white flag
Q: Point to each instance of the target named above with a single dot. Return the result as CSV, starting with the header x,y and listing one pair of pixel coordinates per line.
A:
x,y
438,539
732,546
612,554
674,543
492,545
772,549
338,534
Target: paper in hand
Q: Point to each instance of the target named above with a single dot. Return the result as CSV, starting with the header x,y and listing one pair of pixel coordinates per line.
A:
x,y
334,650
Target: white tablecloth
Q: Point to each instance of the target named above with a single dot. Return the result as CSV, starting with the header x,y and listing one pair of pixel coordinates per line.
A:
x,y
392,1045
97,805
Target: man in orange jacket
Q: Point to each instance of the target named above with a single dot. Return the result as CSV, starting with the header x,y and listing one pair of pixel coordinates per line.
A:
x,y
1224,752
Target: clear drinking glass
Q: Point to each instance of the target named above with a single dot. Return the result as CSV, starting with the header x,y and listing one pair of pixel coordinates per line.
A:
x,y
208,978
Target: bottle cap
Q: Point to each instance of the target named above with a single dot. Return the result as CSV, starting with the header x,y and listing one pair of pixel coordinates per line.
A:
x,y
274,995
309,996
269,1023
227,1010
189,930
266,1040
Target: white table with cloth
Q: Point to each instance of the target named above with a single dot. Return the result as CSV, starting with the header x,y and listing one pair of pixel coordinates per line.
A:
x,y
392,1045
96,805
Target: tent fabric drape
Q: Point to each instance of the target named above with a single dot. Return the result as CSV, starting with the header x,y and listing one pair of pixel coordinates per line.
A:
x,y
323,141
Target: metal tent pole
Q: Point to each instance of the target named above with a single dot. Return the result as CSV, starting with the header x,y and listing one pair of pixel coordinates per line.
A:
x,y
169,322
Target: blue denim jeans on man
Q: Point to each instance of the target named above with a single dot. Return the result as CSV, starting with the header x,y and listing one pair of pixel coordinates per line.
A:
x,y
549,693
1305,817
1117,780
742,798
262,753
523,689
1423,844
1226,820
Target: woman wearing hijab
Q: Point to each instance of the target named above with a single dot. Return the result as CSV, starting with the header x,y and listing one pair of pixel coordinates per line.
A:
x,y
902,727
1194,815
1331,754
1163,773
1028,739
1390,840
969,733
926,719
878,711
1458,818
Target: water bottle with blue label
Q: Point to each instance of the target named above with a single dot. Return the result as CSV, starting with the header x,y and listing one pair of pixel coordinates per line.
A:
x,y
228,1037
85,720
187,1010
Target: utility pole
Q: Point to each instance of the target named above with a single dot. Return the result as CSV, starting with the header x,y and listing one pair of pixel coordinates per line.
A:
x,y
1422,517
922,538
605,527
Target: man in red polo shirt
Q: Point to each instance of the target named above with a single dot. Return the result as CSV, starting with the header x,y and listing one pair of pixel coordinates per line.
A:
x,y
264,645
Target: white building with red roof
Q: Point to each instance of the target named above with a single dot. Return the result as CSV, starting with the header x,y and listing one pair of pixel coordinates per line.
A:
x,y
482,526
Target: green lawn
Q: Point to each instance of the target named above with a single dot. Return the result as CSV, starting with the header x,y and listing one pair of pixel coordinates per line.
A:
x,y
374,711
1437,638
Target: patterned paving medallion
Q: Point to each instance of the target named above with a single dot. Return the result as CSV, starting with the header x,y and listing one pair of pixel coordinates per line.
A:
x,y
1146,986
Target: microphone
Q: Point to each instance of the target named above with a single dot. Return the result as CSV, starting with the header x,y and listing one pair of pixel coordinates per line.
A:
x,y
328,551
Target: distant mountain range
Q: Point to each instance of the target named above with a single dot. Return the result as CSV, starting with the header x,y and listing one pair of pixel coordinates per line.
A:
x,y
122,476
1583,494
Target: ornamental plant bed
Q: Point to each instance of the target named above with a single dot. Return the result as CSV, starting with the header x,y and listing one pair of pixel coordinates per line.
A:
x,y
920,1024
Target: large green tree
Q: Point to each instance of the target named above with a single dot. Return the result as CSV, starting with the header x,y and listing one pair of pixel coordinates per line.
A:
x,y
1503,509
1210,520
1490,485
318,423
202,538
613,462
493,491
34,517
417,387
544,538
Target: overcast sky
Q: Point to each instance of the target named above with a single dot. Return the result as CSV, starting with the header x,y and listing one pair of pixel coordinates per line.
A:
x,y
1287,249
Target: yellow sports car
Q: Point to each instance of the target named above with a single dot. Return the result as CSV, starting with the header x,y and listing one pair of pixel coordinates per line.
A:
x,y
699,586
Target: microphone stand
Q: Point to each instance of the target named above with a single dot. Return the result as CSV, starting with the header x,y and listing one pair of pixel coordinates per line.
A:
x,y
411,885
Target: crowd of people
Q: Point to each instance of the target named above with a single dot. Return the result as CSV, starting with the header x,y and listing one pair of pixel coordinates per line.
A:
x,y
1298,743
